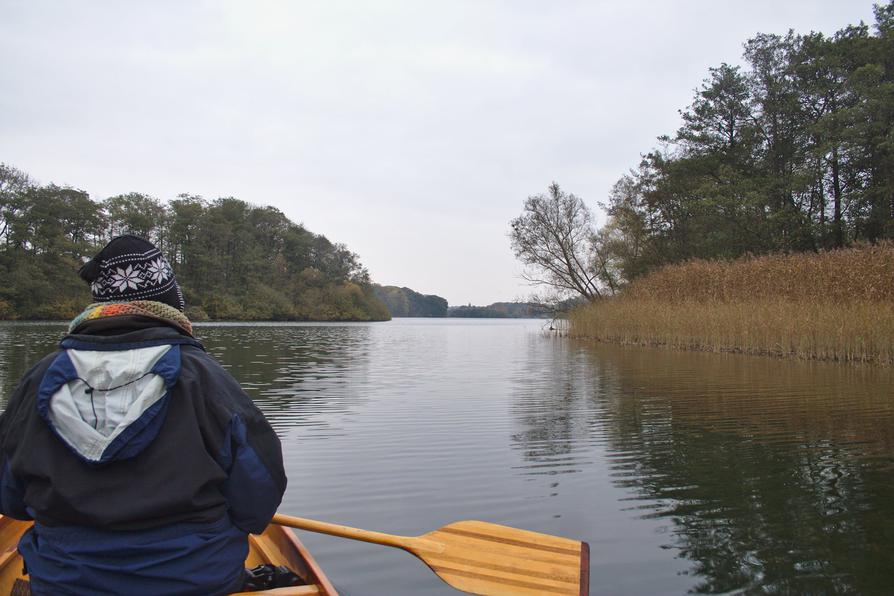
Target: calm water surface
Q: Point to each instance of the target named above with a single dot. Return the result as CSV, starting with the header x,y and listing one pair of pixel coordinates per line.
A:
x,y
697,473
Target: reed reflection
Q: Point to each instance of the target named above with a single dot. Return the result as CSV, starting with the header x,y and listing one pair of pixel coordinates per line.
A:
x,y
773,475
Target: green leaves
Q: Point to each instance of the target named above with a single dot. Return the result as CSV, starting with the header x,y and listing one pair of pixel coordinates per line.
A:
x,y
794,153
233,260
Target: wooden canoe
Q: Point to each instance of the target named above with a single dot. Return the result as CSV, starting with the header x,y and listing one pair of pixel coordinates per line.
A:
x,y
277,546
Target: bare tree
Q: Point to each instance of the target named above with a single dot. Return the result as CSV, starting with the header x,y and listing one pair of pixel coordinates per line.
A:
x,y
555,239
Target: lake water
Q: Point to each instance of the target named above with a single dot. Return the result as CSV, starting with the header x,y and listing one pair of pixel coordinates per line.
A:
x,y
686,472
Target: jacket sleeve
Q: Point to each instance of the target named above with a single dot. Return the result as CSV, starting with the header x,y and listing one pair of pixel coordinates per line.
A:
x,y
12,488
255,484
250,454
12,494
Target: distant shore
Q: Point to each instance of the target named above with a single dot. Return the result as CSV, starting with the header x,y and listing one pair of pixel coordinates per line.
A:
x,y
835,305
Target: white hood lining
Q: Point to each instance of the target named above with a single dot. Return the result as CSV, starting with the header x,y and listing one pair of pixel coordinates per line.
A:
x,y
90,425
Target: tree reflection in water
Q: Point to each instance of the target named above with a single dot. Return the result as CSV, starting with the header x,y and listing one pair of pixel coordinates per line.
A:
x,y
770,476
21,346
298,374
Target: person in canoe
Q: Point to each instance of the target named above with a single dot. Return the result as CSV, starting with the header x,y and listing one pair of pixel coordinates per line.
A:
x,y
141,460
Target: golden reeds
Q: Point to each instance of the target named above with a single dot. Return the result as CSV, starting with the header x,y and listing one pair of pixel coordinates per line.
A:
x,y
836,305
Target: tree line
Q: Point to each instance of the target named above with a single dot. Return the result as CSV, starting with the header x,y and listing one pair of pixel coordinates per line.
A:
x,y
501,310
404,302
792,152
233,260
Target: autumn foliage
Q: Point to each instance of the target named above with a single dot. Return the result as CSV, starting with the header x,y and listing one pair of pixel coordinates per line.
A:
x,y
835,305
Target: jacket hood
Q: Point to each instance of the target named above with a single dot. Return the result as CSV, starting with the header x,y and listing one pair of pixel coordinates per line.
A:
x,y
106,400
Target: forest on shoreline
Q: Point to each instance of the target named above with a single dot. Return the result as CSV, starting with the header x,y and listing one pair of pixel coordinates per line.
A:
x,y
233,260
765,224
404,302
781,173
793,153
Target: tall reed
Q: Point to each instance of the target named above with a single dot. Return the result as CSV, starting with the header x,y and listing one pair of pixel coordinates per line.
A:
x,y
836,305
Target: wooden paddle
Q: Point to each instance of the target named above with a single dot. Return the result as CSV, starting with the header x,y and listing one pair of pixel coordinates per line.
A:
x,y
483,558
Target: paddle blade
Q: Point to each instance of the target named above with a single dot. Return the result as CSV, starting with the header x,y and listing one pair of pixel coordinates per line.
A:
x,y
489,559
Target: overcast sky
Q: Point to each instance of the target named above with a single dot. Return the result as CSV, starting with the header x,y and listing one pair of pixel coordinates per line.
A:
x,y
410,131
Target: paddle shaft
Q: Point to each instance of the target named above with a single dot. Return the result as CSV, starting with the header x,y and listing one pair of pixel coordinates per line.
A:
x,y
312,525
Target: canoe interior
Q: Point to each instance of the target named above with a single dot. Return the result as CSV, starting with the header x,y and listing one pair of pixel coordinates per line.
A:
x,y
276,546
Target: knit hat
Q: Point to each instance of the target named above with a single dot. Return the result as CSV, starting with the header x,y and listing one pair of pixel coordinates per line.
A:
x,y
131,268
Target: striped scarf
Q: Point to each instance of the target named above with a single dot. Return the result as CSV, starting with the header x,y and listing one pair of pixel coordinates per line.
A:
x,y
143,308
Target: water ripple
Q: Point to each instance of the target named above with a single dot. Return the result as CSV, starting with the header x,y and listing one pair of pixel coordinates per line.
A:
x,y
698,473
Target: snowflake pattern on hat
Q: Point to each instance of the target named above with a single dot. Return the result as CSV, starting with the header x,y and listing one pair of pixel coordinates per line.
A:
x,y
133,276
158,270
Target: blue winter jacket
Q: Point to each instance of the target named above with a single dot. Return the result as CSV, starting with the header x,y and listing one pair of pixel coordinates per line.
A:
x,y
143,464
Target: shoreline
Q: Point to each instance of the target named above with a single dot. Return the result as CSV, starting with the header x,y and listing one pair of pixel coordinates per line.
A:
x,y
829,306
858,332
770,354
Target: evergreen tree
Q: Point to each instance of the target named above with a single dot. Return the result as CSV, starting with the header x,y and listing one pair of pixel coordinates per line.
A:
x,y
794,153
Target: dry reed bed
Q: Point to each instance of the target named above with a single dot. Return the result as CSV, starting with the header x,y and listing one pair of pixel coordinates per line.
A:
x,y
837,305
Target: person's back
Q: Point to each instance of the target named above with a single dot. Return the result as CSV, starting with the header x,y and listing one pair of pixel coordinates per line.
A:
x,y
142,462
